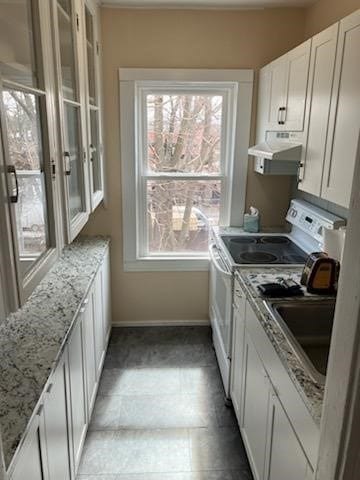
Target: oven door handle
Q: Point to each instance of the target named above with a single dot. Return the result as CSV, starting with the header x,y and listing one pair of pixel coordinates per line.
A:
x,y
214,260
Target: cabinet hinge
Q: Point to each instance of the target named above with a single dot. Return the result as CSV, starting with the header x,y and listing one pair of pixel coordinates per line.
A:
x,y
77,22
97,48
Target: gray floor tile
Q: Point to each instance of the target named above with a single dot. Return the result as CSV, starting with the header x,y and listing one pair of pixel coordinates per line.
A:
x,y
161,335
201,380
216,449
206,475
243,474
133,381
153,411
97,477
160,412
160,355
136,451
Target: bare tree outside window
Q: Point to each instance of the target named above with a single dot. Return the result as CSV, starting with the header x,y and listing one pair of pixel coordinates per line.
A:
x,y
25,151
183,139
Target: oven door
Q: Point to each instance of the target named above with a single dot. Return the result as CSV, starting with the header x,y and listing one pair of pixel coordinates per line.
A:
x,y
220,310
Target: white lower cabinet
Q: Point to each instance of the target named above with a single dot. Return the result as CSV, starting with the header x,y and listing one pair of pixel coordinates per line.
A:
x,y
99,333
76,377
89,343
276,449
237,351
255,409
106,294
31,463
56,424
285,457
52,447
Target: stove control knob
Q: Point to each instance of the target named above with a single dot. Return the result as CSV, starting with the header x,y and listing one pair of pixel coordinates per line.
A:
x,y
293,212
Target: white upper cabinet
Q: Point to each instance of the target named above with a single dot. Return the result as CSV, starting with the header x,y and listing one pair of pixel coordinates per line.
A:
x,y
72,116
277,78
282,101
322,63
93,102
29,237
344,123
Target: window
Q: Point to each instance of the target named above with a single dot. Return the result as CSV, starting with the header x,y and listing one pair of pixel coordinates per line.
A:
x,y
179,136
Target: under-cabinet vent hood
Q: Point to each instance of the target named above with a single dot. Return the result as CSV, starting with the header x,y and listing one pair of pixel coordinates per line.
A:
x,y
275,150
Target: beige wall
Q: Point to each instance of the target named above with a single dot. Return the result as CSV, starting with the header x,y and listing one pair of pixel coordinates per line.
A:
x,y
326,12
183,39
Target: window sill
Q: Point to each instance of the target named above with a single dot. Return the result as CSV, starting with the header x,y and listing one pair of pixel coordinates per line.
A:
x,y
149,264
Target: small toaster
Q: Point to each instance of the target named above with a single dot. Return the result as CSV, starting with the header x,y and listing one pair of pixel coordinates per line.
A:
x,y
320,274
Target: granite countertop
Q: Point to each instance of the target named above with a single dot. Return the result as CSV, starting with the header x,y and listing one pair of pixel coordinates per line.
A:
x,y
311,391
32,339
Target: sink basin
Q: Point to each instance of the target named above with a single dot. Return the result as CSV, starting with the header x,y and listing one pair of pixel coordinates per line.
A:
x,y
308,327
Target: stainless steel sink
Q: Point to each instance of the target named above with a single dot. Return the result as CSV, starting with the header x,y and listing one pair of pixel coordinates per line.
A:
x,y
308,326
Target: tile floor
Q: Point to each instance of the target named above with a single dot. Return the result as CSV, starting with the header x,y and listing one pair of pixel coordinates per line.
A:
x,y
160,414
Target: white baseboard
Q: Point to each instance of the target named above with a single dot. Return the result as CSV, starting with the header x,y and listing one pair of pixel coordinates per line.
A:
x,y
162,323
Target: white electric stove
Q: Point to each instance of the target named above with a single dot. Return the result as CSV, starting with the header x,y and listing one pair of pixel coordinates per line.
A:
x,y
231,249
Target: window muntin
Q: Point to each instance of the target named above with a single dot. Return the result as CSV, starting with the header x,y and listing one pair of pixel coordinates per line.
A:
x,y
182,167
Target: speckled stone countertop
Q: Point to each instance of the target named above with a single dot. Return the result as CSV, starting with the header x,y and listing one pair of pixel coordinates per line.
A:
x,y
32,339
250,278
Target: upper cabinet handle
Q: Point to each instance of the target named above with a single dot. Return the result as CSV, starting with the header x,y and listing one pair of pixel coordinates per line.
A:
x,y
14,197
281,120
283,117
67,163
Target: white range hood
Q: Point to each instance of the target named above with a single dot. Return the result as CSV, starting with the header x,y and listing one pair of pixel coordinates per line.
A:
x,y
279,154
277,150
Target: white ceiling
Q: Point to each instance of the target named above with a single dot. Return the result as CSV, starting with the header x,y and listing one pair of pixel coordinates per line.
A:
x,y
208,3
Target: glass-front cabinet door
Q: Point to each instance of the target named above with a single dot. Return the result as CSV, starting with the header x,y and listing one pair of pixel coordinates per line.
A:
x,y
72,115
27,136
93,103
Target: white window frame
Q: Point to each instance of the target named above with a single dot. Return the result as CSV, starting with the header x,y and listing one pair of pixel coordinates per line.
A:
x,y
236,87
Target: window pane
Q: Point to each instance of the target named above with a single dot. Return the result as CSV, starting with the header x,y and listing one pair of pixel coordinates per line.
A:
x,y
25,151
73,138
95,151
180,214
184,133
90,46
67,54
17,42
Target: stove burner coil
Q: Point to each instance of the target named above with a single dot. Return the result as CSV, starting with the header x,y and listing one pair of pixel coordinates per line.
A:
x,y
257,257
275,240
243,240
